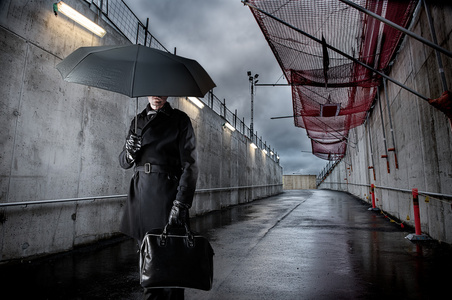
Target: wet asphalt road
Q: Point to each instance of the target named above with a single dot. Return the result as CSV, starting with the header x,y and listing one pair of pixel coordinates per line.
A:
x,y
310,244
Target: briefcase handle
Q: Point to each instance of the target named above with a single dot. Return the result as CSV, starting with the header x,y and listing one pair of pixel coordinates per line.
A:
x,y
189,235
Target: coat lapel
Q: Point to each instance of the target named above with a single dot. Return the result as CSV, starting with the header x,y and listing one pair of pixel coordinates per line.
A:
x,y
166,111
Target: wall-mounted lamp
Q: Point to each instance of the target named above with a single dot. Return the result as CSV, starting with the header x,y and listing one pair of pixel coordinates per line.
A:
x,y
229,126
197,102
253,145
79,18
265,151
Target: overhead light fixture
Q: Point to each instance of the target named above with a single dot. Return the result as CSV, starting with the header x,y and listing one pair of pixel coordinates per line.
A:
x,y
229,126
196,101
253,145
79,18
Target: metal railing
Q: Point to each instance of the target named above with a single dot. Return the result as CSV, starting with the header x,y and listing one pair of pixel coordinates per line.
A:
x,y
122,18
236,188
327,171
432,194
198,191
220,108
26,203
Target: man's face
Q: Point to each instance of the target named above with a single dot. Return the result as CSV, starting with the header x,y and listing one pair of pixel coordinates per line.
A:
x,y
157,102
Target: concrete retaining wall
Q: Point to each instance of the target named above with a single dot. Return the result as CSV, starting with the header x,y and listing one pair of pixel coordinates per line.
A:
x,y
423,137
299,182
62,140
231,171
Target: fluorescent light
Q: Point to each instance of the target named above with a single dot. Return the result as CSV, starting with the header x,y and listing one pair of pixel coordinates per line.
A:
x,y
253,145
196,101
79,18
229,126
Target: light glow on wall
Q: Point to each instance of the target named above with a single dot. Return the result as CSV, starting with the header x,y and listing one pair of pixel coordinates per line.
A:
x,y
197,102
229,126
79,18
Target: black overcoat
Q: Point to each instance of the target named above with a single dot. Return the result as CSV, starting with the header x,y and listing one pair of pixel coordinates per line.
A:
x,y
169,149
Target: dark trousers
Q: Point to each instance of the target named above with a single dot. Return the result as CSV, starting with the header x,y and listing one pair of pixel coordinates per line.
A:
x,y
163,294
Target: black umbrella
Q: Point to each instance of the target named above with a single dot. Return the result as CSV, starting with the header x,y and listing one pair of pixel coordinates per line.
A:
x,y
136,71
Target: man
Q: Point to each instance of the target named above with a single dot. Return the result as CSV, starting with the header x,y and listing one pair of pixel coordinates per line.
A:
x,y
162,188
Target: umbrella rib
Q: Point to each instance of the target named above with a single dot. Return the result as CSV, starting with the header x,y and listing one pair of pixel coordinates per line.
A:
x,y
79,61
133,71
191,73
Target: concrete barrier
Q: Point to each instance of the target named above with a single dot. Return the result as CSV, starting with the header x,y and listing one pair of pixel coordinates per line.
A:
x,y
299,182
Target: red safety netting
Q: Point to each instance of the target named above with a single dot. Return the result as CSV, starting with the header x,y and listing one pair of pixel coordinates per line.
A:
x,y
331,151
331,93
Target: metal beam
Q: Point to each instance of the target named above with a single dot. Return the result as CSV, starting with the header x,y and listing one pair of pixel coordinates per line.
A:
x,y
398,27
284,117
338,51
273,84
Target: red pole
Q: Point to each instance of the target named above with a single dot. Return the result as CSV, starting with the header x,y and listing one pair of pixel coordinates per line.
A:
x,y
372,191
417,219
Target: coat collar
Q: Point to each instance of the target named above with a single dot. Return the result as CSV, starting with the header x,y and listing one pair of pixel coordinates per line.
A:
x,y
166,109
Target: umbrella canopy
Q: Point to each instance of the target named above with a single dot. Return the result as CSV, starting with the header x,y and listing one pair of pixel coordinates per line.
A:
x,y
136,71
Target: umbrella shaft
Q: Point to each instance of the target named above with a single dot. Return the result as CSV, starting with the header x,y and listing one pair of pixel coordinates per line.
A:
x,y
136,113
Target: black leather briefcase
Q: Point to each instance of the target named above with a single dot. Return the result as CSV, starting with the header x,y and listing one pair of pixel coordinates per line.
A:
x,y
176,257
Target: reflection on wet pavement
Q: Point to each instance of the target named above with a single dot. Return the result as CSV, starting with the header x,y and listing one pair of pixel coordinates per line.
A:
x,y
315,244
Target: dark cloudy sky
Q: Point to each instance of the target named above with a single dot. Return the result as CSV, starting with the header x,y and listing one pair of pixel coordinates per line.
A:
x,y
223,36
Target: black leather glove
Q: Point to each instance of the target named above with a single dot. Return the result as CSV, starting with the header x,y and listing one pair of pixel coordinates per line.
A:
x,y
179,213
133,145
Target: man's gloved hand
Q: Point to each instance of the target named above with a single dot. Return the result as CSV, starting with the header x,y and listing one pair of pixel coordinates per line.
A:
x,y
133,145
179,213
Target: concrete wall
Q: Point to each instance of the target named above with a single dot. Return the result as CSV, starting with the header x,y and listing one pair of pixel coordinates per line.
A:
x,y
231,171
423,137
299,182
61,140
